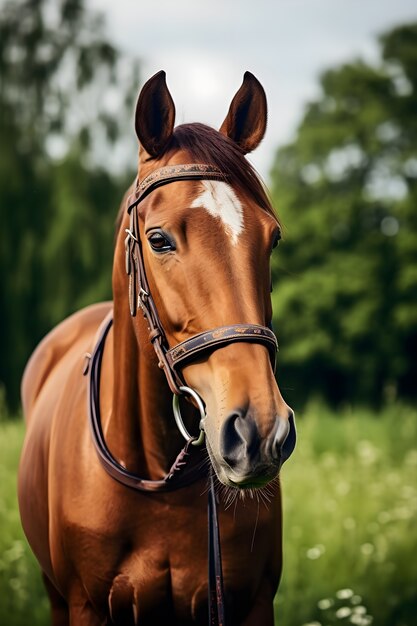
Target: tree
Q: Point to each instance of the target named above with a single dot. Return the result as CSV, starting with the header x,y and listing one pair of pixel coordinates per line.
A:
x,y
346,191
66,99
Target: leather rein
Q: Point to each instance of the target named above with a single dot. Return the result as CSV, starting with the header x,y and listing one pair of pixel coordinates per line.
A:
x,y
170,360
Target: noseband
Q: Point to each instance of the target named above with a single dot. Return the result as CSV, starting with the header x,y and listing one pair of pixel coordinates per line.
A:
x,y
171,360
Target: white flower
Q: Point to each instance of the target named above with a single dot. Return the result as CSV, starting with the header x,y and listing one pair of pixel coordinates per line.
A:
x,y
344,611
344,594
359,610
316,551
324,604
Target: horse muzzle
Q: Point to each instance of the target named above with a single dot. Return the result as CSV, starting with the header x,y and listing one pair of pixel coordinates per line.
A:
x,y
246,459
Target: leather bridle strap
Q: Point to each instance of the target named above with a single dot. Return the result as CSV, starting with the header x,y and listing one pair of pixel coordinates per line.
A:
x,y
217,338
215,572
171,360
140,297
171,173
180,474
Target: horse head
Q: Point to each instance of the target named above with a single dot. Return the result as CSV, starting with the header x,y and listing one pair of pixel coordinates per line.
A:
x,y
206,247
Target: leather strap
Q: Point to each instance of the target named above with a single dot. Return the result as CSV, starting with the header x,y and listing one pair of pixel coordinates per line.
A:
x,y
180,475
140,297
215,571
169,174
217,338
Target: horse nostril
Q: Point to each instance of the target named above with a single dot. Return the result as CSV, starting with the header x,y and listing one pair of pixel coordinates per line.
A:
x,y
285,438
238,438
241,445
278,438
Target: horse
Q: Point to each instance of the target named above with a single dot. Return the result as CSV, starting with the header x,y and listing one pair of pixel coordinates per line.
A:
x,y
114,515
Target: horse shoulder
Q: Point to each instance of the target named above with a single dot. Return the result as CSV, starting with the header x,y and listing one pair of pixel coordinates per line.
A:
x,y
42,390
75,331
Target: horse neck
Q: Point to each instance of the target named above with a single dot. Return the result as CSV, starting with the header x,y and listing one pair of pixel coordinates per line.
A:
x,y
140,429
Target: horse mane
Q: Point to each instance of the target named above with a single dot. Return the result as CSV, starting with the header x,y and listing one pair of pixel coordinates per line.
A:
x,y
206,145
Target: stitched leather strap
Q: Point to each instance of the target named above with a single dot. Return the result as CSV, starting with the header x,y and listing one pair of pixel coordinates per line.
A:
x,y
171,173
180,475
140,297
218,337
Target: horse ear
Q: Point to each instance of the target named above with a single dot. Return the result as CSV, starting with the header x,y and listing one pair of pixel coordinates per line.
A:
x,y
246,120
155,115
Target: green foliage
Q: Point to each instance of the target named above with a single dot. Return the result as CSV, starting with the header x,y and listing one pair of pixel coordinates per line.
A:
x,y
22,596
346,191
350,508
60,96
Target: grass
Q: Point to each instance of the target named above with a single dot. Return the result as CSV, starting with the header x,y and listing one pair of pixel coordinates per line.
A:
x,y
22,597
350,533
350,512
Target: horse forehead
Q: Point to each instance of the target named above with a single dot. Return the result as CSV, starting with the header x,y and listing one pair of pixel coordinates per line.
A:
x,y
220,200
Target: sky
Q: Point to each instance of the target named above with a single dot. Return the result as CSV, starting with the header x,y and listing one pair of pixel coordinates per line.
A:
x,y
205,47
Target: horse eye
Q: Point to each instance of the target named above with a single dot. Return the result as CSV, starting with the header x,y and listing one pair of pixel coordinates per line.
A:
x,y
276,241
160,243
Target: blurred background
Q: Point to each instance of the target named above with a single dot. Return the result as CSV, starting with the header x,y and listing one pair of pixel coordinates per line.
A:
x,y
340,160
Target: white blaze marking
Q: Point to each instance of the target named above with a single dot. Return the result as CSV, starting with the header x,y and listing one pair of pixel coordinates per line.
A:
x,y
219,199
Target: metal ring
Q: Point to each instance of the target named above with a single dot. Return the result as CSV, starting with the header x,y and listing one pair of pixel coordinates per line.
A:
x,y
195,441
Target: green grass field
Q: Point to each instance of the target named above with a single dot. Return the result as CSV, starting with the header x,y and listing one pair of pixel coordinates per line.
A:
x,y
350,524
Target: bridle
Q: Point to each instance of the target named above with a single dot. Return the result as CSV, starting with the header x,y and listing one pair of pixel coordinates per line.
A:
x,y
170,360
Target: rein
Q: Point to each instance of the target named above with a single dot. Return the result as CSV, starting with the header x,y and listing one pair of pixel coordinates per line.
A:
x,y
180,475
175,478
170,359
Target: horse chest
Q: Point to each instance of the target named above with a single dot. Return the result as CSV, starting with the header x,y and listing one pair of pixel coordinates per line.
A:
x,y
150,560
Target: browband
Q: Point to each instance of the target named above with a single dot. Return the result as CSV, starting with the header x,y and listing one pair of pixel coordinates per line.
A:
x,y
169,174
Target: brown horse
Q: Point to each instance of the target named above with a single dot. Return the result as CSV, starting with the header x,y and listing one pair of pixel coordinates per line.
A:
x,y
204,233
